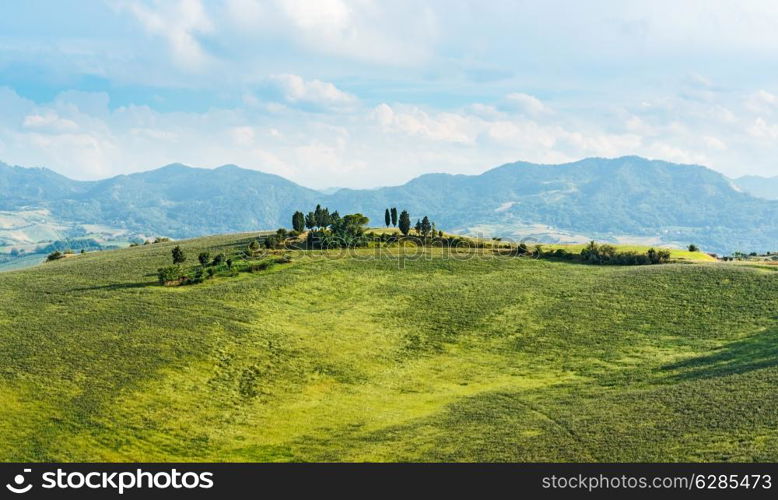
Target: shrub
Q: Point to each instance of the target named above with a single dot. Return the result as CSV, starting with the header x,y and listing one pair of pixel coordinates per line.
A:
x,y
55,255
197,278
693,248
260,266
219,259
204,258
169,275
272,242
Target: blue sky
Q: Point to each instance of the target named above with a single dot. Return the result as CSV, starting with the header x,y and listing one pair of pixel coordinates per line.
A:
x,y
364,93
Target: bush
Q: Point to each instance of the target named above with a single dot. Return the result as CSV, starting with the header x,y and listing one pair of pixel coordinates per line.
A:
x,y
260,266
219,260
55,255
272,242
204,258
169,275
198,277
693,248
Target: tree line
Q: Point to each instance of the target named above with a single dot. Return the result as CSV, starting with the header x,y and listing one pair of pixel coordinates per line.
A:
x,y
424,227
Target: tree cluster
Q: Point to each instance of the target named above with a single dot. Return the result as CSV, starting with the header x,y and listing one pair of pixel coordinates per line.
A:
x,y
219,264
330,230
608,254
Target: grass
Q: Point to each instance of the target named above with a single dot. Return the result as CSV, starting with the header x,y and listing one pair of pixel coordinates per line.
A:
x,y
349,358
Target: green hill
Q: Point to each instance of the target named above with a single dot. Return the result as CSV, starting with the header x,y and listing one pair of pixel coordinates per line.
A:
x,y
336,357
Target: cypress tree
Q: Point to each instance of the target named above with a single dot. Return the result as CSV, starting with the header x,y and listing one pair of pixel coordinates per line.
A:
x,y
387,218
310,220
425,226
394,216
298,222
405,223
417,227
317,215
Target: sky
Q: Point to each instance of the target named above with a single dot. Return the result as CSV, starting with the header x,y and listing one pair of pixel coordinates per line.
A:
x,y
364,93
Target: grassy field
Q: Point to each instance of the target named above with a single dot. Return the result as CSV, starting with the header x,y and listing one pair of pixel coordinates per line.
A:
x,y
338,358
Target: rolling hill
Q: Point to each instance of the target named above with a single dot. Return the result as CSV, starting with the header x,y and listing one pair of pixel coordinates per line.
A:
x,y
389,358
627,199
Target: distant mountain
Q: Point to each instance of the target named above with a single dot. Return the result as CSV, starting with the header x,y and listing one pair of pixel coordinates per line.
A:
x,y
604,198
620,199
21,186
182,201
761,187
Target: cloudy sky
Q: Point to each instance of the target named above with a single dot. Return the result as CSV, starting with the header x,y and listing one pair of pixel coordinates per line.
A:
x,y
366,92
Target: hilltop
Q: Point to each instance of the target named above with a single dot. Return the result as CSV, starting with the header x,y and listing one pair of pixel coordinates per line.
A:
x,y
627,199
362,357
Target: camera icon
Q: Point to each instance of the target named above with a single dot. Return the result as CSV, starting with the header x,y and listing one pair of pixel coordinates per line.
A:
x,y
18,482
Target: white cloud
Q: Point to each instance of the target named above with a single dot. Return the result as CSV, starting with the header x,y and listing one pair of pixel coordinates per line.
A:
x,y
714,143
242,136
398,33
763,130
297,90
179,22
49,121
526,103
762,102
362,145
411,120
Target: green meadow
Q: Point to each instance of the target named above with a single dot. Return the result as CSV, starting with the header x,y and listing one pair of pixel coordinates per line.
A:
x,y
365,357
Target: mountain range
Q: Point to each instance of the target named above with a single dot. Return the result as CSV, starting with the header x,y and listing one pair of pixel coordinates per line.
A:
x,y
621,200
